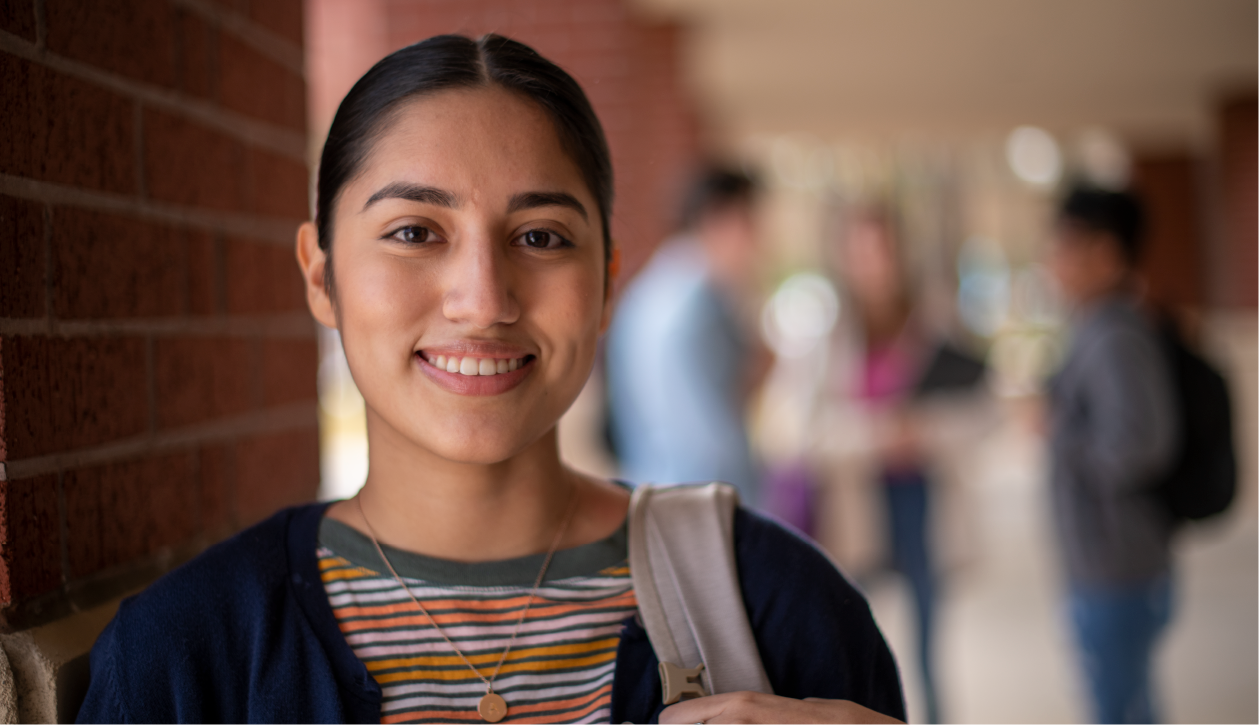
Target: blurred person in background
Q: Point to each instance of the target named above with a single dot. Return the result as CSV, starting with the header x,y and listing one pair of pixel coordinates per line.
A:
x,y
681,358
1113,433
904,400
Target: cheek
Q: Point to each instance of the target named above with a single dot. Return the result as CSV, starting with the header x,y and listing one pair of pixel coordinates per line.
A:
x,y
568,305
379,298
1067,270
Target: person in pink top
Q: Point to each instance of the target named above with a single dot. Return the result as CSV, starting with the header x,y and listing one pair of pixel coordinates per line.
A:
x,y
893,350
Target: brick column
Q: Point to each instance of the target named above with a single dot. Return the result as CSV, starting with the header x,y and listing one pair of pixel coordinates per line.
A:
x,y
157,362
1174,259
1234,272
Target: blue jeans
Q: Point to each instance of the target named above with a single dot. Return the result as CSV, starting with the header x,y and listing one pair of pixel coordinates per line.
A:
x,y
907,495
1117,629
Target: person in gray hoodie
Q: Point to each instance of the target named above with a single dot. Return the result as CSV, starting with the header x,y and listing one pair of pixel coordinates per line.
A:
x,y
1113,433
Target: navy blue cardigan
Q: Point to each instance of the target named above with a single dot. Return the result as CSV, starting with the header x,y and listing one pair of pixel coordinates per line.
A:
x,y
244,633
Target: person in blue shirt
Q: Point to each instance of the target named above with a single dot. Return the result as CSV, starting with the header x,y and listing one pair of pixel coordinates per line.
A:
x,y
680,360
461,247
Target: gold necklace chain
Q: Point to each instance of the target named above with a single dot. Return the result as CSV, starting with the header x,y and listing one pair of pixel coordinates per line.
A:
x,y
492,707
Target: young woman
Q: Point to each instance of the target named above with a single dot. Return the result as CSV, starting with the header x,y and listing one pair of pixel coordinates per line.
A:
x,y
461,248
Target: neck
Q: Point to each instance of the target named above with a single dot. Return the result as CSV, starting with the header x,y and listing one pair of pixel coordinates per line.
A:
x,y
421,502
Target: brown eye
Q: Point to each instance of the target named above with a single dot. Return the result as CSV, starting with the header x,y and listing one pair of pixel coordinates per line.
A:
x,y
542,239
414,235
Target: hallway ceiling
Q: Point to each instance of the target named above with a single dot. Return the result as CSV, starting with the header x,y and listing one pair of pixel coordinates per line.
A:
x,y
1150,69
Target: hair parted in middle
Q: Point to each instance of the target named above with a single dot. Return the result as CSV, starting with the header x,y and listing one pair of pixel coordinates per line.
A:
x,y
447,62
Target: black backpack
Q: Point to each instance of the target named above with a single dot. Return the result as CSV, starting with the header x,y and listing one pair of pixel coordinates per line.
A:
x,y
1202,479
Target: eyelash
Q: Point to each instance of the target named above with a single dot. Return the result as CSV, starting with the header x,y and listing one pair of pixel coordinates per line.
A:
x,y
430,235
562,242
397,234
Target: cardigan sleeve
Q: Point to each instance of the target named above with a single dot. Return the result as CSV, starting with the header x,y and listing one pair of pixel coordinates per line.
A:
x,y
814,629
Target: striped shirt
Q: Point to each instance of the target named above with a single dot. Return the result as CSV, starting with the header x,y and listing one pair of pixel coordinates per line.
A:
x,y
560,668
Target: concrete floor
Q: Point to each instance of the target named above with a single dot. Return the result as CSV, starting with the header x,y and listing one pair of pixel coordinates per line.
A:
x,y
1005,653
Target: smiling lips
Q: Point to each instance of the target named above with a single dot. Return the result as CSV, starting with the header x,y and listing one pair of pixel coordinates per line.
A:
x,y
468,375
472,366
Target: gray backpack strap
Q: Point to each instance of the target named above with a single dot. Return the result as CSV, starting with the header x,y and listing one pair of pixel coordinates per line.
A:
x,y
682,562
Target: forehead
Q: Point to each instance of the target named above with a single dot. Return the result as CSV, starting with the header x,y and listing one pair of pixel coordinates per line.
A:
x,y
477,142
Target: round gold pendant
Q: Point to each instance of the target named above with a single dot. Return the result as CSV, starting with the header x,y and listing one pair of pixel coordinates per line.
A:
x,y
492,708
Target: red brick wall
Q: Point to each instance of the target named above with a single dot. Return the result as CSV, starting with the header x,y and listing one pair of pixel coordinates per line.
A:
x,y
628,66
1235,268
157,363
1173,261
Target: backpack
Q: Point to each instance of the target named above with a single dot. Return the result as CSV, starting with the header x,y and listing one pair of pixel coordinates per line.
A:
x,y
682,563
1203,477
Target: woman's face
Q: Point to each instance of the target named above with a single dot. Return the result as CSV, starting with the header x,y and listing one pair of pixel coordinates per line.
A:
x,y
469,267
869,263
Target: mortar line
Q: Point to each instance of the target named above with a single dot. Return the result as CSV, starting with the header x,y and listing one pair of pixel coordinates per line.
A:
x,y
293,325
281,50
41,24
271,230
286,142
294,416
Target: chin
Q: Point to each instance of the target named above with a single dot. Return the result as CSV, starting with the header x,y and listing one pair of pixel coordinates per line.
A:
x,y
482,444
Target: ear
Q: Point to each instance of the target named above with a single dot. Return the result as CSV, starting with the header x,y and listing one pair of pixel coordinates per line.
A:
x,y
313,262
614,267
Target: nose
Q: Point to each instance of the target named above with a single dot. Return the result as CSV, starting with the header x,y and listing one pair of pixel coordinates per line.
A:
x,y
477,284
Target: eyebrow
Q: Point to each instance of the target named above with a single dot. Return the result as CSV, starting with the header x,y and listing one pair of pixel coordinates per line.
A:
x,y
536,199
416,193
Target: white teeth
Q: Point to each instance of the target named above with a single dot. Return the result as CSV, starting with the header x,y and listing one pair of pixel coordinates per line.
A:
x,y
476,365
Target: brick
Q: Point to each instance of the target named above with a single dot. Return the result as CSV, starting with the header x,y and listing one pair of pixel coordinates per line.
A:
x,y
18,17
125,511
1234,281
201,378
203,272
216,465
59,129
63,394
30,538
274,471
289,368
135,38
83,522
282,17
197,52
187,163
261,278
110,266
21,258
255,85
277,186
4,450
